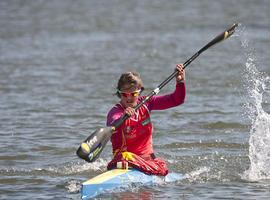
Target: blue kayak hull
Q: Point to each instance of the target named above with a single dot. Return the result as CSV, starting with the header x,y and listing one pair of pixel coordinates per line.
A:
x,y
121,178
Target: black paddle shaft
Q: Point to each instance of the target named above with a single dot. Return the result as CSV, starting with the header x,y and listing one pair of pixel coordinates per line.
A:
x,y
93,145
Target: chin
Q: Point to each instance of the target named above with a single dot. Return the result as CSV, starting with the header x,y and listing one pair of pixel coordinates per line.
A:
x,y
130,105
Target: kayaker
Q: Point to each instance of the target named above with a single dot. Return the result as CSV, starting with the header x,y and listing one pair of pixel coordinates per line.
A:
x,y
132,141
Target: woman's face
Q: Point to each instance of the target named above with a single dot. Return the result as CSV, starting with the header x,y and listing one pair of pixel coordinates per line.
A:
x,y
129,96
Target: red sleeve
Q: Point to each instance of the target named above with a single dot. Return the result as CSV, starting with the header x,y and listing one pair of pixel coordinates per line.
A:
x,y
169,100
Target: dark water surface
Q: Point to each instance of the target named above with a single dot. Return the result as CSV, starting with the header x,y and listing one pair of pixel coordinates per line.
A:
x,y
59,64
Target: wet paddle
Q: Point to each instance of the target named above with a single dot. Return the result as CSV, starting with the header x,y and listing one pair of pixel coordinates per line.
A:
x,y
93,145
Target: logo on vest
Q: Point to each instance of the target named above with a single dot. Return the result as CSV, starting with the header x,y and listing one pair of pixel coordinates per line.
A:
x,y
147,121
128,129
129,132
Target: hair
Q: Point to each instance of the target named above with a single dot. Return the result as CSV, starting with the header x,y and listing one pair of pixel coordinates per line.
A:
x,y
129,78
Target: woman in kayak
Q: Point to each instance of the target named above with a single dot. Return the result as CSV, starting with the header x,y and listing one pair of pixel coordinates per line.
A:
x,y
132,141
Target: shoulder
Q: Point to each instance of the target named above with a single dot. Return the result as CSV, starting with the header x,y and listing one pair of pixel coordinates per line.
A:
x,y
148,103
117,108
115,113
141,98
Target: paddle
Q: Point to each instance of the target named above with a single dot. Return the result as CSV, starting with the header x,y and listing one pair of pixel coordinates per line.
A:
x,y
92,146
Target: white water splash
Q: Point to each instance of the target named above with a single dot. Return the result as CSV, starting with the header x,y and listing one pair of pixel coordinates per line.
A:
x,y
74,168
196,175
255,84
64,169
73,186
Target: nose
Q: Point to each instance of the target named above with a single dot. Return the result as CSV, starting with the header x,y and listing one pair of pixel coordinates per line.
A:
x,y
129,97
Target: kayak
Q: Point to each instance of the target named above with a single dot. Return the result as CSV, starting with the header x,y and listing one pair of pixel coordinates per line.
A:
x,y
121,179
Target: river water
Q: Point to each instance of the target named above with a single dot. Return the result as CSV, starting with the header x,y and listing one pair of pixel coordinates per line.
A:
x,y
59,64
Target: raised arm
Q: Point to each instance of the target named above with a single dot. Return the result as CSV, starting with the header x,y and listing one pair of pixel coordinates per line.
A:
x,y
169,100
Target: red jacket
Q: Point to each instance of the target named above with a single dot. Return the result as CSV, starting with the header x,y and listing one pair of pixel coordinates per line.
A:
x,y
135,134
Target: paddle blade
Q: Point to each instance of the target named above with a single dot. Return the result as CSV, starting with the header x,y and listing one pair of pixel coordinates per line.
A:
x,y
91,148
224,35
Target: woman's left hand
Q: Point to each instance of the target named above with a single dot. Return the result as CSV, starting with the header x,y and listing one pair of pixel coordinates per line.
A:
x,y
180,77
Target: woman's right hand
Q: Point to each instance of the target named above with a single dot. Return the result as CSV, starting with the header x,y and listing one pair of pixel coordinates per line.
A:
x,y
130,111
